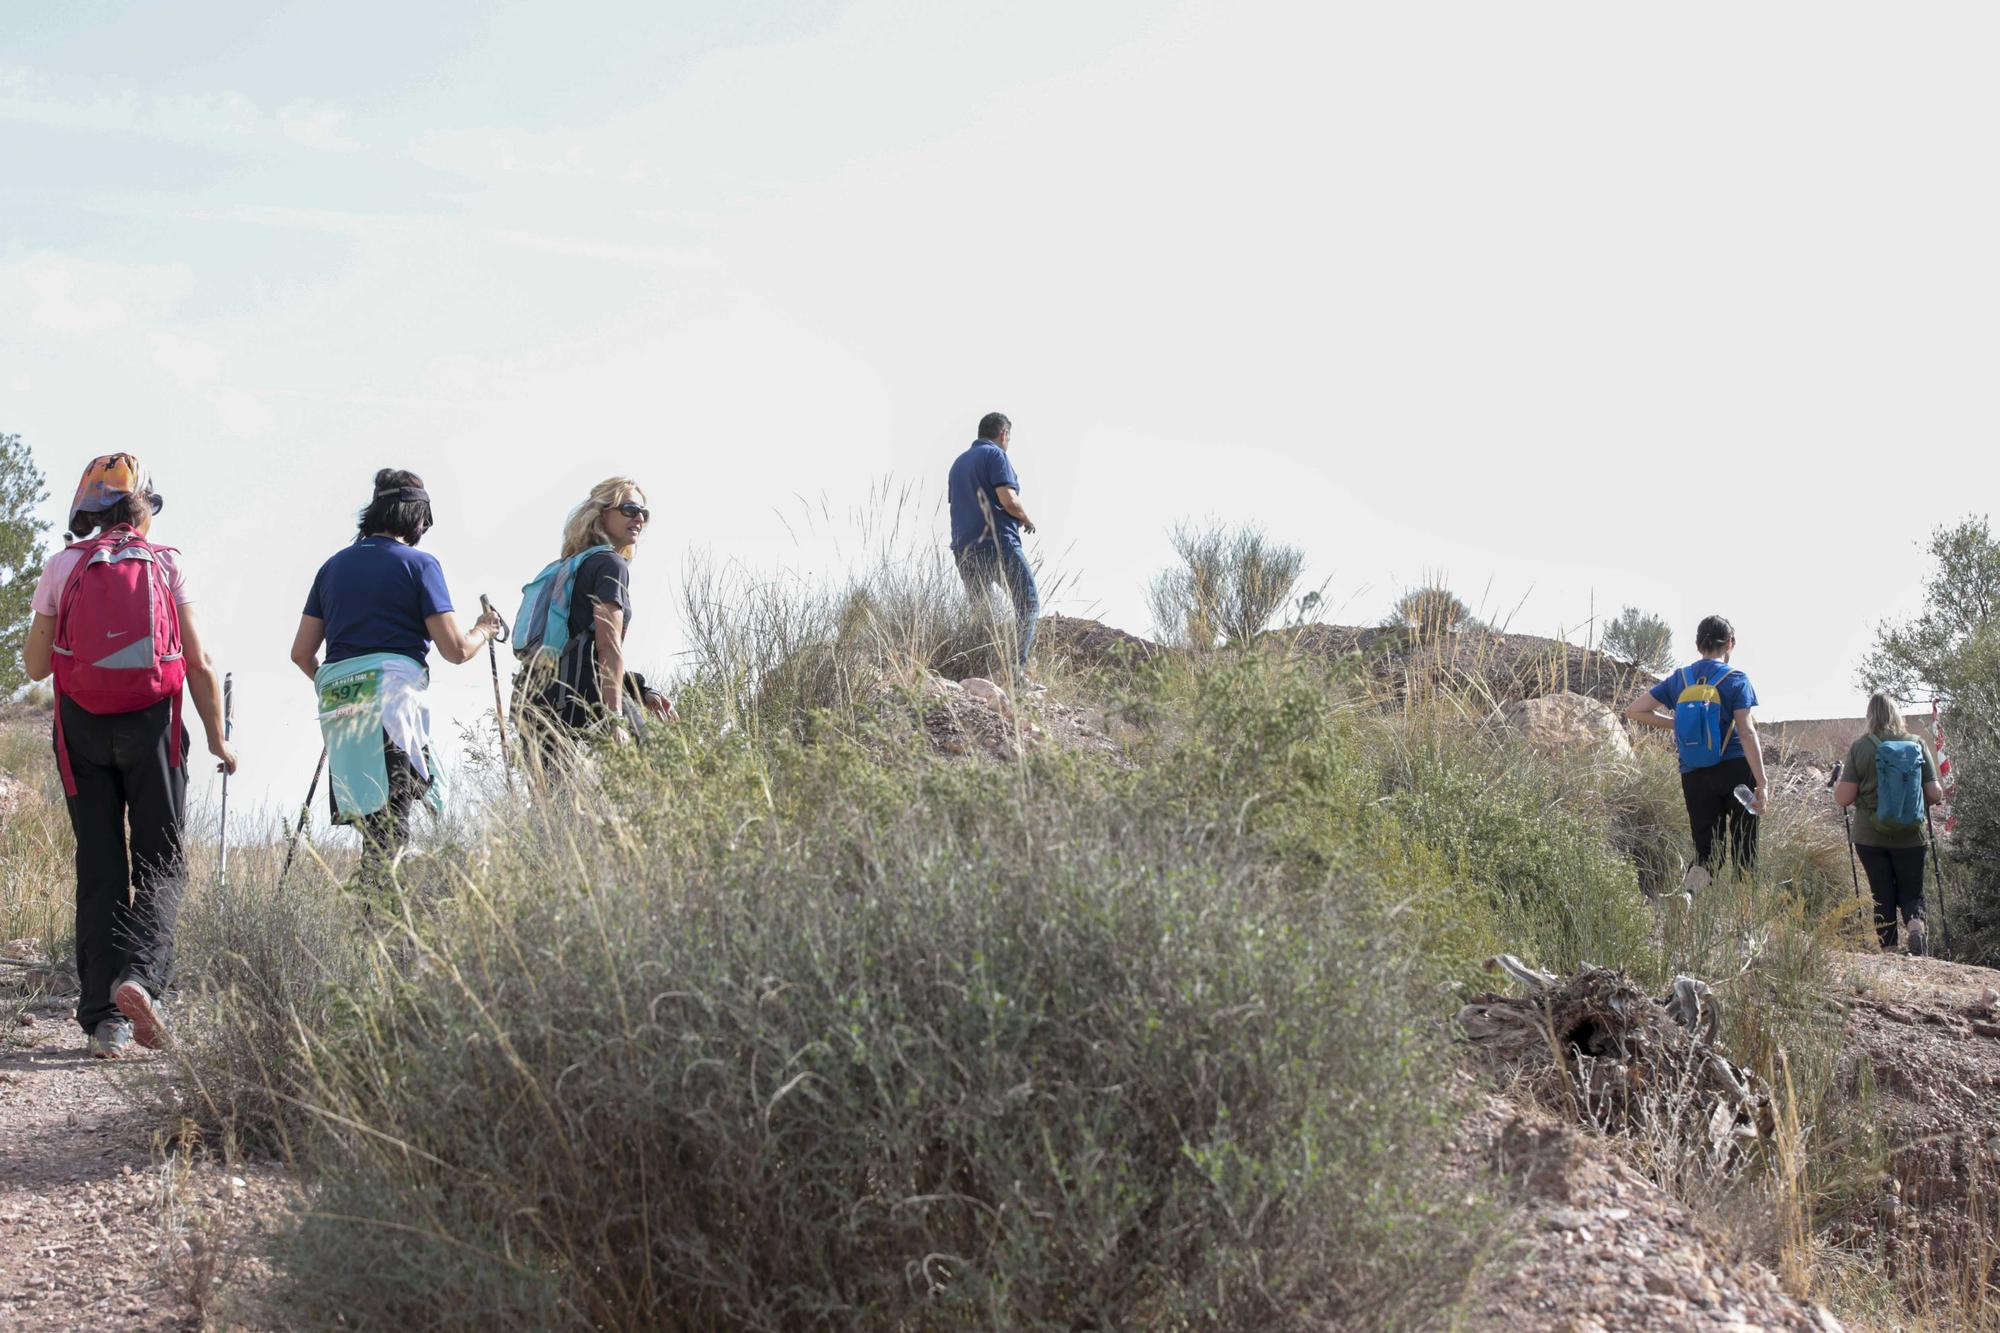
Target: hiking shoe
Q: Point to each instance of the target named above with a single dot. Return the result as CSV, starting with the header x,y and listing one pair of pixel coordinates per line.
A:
x,y
1696,879
1024,684
110,1039
149,1025
1914,935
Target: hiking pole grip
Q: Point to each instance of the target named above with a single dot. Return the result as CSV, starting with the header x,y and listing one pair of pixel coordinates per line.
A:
x,y
506,631
493,661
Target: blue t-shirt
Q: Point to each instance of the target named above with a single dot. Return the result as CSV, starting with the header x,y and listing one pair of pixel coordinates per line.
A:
x,y
1734,689
976,476
375,596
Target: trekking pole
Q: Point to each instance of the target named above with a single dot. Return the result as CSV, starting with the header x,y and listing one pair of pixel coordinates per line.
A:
x,y
305,814
228,725
493,661
1937,868
1847,822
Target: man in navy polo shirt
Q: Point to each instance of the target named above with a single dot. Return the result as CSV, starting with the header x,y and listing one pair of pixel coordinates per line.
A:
x,y
987,521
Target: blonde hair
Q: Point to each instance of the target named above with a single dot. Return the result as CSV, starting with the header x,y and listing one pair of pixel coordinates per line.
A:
x,y
1884,722
585,527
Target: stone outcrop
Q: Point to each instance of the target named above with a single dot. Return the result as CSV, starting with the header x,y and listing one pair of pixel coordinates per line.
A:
x,y
1569,724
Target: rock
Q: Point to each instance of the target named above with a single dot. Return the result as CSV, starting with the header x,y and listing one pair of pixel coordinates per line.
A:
x,y
1568,724
986,692
1660,1284
1565,1219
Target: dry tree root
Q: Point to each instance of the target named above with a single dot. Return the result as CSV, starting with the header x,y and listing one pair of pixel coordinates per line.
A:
x,y
1617,1059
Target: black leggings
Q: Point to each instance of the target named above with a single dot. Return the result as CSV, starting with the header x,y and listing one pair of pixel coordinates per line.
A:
x,y
1712,807
128,813
1896,878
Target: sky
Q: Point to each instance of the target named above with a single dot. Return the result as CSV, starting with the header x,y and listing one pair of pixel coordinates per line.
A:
x,y
1571,305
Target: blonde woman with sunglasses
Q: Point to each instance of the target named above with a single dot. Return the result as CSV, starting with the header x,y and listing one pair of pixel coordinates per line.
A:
x,y
577,681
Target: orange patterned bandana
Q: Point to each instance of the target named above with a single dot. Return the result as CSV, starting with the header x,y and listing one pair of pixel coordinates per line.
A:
x,y
107,481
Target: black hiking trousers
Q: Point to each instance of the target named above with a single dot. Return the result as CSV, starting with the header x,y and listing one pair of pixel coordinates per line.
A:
x,y
127,893
1896,878
1714,813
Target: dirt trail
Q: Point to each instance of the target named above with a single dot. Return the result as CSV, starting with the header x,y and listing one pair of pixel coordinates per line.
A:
x,y
100,1225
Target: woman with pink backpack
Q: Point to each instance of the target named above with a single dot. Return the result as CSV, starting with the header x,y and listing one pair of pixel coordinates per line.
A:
x,y
114,625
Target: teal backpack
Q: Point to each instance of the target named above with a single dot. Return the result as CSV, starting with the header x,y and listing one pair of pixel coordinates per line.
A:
x,y
542,624
1899,786
1701,723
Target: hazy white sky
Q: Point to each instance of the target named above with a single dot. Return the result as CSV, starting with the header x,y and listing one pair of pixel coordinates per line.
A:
x,y
1582,304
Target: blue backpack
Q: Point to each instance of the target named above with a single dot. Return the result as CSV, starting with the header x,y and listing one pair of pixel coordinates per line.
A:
x,y
1702,722
1899,786
542,624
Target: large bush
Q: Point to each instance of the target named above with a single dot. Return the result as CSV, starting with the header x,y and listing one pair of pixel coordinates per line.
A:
x,y
773,1034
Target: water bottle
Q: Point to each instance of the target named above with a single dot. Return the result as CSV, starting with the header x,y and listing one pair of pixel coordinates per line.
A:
x,y
1747,798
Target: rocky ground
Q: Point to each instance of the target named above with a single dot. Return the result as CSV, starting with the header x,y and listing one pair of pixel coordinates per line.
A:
x,y
1598,1243
107,1220
1929,1034
977,716
1598,1247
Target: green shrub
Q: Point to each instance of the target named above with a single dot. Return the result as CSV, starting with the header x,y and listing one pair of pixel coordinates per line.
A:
x,y
1560,894
808,1034
1642,639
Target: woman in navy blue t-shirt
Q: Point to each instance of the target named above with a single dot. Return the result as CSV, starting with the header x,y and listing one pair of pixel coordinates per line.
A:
x,y
378,606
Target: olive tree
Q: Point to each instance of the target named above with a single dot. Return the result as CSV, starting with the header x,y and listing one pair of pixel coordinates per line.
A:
x,y
21,554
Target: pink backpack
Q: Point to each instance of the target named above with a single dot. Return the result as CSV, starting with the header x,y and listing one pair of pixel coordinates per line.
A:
x,y
118,636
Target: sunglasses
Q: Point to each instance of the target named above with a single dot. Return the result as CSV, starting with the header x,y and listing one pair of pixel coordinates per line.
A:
x,y
631,510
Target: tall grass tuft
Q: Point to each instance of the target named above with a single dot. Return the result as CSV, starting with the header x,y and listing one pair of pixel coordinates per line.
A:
x,y
1228,587
782,646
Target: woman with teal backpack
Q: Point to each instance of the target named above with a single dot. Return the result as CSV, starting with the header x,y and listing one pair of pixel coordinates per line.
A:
x,y
570,633
378,606
1890,780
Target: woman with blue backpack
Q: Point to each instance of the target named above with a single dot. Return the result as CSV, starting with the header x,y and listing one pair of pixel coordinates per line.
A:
x,y
1890,780
378,606
570,633
1707,705
113,622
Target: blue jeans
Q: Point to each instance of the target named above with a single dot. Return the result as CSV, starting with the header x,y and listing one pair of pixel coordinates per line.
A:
x,y
984,564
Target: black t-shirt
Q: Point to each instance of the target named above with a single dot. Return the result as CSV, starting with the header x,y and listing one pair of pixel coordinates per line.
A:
x,y
572,694
606,579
